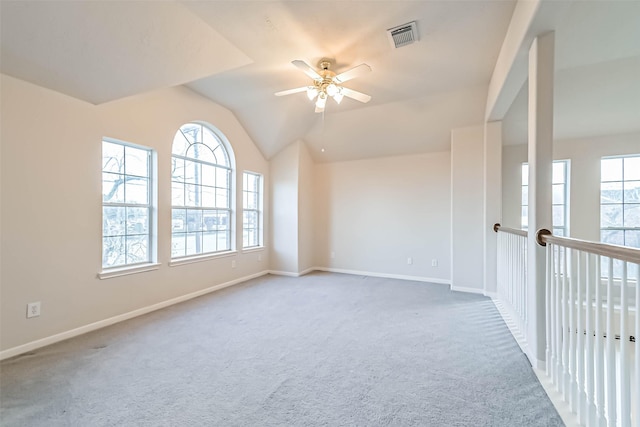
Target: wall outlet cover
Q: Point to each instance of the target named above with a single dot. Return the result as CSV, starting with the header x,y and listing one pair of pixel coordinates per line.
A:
x,y
33,309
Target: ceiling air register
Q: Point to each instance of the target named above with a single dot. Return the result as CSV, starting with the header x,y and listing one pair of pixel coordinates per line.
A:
x,y
403,35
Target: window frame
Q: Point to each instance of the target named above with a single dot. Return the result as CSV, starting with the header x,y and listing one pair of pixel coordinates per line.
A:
x,y
199,209
559,230
150,263
623,204
258,210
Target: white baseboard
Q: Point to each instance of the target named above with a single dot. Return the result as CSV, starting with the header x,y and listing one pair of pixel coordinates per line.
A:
x,y
307,271
284,273
508,318
361,273
538,366
467,290
564,409
33,345
291,273
385,275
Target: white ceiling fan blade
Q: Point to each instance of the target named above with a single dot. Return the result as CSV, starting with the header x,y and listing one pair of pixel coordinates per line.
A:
x,y
307,69
290,91
352,73
354,94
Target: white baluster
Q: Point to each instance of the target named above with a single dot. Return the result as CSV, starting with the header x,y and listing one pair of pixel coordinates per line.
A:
x,y
637,349
513,289
523,274
522,247
547,307
599,348
503,263
552,311
580,282
517,282
572,330
625,391
508,267
499,264
558,320
509,283
611,352
566,377
589,335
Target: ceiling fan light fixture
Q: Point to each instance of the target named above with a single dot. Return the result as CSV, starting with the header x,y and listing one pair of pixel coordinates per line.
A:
x,y
338,96
322,100
327,84
312,92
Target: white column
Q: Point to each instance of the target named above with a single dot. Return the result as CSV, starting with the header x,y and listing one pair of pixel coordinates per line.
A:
x,y
541,71
492,202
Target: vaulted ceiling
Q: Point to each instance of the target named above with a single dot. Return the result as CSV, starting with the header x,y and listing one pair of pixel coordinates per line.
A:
x,y
239,53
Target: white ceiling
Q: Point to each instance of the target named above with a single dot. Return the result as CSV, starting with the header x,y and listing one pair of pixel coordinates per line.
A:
x,y
597,81
238,53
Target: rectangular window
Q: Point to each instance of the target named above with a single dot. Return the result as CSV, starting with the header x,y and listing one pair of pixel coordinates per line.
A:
x,y
620,201
252,210
560,195
127,204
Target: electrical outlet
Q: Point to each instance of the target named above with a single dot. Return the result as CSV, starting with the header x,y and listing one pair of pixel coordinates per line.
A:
x,y
409,261
33,309
259,257
434,262
333,254
233,263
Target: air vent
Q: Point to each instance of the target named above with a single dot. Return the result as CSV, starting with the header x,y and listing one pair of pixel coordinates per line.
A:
x,y
403,35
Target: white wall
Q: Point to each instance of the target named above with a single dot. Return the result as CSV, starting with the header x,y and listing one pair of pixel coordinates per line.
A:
x,y
374,214
306,210
585,155
51,206
467,209
492,202
284,213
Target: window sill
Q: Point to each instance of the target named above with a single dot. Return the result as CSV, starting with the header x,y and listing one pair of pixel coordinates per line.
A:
x,y
125,271
253,249
200,258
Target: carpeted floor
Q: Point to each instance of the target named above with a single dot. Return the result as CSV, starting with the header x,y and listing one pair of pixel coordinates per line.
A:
x,y
320,350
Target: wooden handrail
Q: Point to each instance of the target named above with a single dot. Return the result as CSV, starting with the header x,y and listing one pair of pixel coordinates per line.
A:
x,y
497,227
624,253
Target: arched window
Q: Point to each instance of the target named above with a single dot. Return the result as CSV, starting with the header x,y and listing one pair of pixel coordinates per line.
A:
x,y
201,192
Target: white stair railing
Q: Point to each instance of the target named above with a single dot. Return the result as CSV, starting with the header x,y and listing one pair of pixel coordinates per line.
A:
x,y
592,302
512,278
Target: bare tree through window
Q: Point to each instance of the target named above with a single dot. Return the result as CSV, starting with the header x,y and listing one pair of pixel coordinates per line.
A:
x,y
126,204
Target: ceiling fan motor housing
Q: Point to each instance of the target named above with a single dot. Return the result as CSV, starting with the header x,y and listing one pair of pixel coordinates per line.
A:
x,y
326,76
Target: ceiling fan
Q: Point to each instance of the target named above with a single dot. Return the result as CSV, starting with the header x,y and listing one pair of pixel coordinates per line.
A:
x,y
327,84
